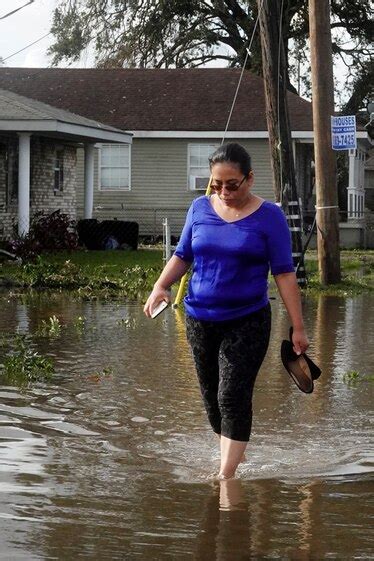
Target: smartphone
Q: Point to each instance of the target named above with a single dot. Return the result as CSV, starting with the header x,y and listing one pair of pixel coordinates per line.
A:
x,y
159,308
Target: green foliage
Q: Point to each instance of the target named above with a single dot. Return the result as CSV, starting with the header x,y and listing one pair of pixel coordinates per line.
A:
x,y
51,328
46,273
353,376
106,372
133,282
128,323
23,365
79,324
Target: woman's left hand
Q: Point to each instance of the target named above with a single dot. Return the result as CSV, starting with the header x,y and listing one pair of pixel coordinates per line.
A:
x,y
300,341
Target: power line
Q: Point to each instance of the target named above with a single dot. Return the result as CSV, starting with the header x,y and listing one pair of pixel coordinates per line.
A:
x,y
17,9
248,49
27,46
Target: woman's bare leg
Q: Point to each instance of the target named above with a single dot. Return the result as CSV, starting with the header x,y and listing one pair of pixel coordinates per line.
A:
x,y
232,452
243,458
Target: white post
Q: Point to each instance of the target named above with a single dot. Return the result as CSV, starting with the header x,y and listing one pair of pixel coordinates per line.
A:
x,y
24,183
356,191
167,244
89,151
351,184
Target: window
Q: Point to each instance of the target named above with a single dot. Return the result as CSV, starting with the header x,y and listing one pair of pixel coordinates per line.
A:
x,y
115,167
58,183
198,167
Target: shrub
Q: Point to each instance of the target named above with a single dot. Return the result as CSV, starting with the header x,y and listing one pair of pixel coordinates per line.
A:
x,y
48,232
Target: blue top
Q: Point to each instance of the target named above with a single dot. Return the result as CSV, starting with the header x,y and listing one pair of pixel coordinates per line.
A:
x,y
231,260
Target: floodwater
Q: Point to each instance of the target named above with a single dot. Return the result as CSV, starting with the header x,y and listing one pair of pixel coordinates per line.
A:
x,y
111,459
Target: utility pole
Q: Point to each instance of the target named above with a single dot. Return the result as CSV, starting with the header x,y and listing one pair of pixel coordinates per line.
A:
x,y
282,161
325,163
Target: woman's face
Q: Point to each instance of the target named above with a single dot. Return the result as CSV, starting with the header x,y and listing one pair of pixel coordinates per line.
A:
x,y
230,184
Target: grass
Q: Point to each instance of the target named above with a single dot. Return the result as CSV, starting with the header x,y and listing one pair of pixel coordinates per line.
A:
x,y
357,270
132,273
93,274
112,260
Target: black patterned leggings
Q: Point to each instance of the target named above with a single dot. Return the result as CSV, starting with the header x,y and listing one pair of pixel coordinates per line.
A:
x,y
228,356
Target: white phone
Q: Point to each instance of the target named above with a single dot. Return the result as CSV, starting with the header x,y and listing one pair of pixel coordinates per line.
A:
x,y
159,308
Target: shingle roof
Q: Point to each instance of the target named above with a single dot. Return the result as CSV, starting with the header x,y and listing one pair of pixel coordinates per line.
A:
x,y
15,107
155,99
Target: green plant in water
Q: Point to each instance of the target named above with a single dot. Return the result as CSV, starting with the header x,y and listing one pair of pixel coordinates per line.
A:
x,y
79,324
23,365
353,376
129,323
107,371
51,328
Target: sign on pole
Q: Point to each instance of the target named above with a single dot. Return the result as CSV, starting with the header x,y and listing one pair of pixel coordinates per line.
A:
x,y
343,132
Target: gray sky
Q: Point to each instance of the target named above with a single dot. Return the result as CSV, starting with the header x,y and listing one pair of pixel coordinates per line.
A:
x,y
24,27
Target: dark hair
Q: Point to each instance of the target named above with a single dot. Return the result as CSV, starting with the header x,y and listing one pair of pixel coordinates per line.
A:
x,y
233,153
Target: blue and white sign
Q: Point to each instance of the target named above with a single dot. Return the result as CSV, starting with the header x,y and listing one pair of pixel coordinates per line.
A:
x,y
343,132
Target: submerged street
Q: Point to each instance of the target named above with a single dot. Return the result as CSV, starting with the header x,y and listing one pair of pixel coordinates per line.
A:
x,y
111,459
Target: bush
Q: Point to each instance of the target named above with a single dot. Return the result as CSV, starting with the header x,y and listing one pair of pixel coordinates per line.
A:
x,y
48,232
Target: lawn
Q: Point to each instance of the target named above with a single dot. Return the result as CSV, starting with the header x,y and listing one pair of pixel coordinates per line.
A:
x,y
133,273
112,262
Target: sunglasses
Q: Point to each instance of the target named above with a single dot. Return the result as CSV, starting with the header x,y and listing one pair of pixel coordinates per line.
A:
x,y
229,186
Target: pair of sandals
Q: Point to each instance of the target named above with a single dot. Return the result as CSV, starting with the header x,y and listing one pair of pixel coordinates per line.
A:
x,y
301,368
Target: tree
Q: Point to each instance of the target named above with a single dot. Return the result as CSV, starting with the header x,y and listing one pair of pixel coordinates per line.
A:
x,y
191,33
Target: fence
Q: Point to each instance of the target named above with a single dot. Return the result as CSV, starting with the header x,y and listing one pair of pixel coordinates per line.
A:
x,y
150,220
353,233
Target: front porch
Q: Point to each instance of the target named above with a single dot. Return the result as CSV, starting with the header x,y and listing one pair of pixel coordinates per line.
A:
x,y
38,160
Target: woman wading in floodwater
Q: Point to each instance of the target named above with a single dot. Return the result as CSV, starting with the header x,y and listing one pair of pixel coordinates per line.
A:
x,y
232,239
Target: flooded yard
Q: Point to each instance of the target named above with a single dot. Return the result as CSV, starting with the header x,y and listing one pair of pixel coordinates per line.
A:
x,y
111,458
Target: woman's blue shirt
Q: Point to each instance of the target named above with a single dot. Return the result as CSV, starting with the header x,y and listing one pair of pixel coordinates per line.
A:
x,y
231,260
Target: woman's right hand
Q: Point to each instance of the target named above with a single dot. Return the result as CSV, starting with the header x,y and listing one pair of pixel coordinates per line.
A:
x,y
157,295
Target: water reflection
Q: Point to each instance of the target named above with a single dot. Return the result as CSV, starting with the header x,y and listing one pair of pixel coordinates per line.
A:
x,y
119,463
276,520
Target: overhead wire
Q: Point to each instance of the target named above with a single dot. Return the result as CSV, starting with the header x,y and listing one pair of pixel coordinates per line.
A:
x,y
17,10
248,50
27,46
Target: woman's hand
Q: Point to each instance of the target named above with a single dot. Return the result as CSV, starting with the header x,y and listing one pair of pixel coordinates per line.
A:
x,y
157,295
300,341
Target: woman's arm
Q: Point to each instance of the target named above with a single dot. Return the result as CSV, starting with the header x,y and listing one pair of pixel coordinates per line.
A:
x,y
172,272
290,294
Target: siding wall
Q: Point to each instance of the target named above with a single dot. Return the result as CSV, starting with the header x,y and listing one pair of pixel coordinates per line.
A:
x,y
159,183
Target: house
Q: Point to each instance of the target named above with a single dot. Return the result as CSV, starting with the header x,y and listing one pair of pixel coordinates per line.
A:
x,y
177,118
38,159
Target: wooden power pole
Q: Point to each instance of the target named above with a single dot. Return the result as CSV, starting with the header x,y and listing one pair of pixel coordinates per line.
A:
x,y
325,170
282,161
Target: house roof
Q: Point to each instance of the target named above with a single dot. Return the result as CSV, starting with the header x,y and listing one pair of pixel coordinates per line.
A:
x,y
156,99
19,113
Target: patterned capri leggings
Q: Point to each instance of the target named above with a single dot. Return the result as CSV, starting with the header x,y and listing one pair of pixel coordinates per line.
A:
x,y
228,356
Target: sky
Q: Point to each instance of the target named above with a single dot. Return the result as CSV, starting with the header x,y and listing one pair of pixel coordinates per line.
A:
x,y
24,27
